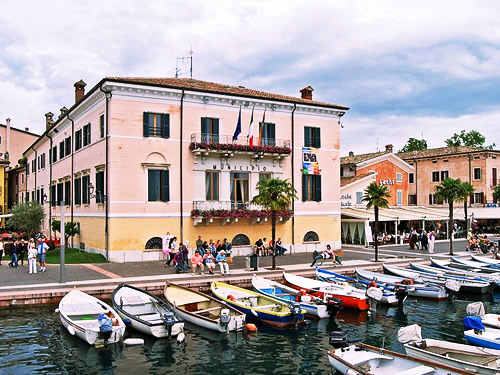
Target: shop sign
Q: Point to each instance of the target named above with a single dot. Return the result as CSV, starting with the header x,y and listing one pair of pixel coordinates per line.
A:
x,y
345,200
386,182
310,160
236,167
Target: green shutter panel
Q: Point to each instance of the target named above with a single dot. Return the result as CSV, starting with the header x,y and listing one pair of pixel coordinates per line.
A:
x,y
317,141
318,188
165,187
304,188
151,186
216,127
307,136
145,124
204,127
272,134
165,119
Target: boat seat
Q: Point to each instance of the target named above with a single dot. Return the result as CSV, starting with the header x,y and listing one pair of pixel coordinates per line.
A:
x,y
93,312
150,317
134,301
419,370
209,309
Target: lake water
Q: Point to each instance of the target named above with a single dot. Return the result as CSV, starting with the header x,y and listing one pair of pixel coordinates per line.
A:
x,y
32,341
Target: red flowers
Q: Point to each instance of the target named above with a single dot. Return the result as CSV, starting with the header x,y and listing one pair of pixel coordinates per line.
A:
x,y
237,213
237,147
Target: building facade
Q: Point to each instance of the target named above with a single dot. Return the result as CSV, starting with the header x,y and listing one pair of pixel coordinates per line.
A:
x,y
134,159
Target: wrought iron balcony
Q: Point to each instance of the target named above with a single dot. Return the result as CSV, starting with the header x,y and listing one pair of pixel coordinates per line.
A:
x,y
224,206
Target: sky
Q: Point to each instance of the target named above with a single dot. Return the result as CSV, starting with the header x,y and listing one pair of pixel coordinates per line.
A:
x,y
405,68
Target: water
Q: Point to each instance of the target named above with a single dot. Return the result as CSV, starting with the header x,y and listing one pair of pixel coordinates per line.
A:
x,y
32,341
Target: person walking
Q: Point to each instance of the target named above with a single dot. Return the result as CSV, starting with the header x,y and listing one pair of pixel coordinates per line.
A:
x,y
1,250
424,240
31,256
42,249
14,253
23,246
432,240
172,251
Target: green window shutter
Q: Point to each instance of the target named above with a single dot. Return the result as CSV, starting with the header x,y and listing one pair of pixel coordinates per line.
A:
x,y
165,120
166,187
271,128
317,138
145,124
307,136
151,186
304,188
216,186
318,188
204,126
215,129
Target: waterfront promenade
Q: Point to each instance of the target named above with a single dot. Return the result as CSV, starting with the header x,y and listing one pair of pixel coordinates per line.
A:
x,y
17,287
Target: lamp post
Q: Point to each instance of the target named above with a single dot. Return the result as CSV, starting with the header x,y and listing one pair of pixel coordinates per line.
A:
x,y
62,273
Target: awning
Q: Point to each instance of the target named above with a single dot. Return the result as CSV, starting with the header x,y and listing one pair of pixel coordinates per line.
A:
x,y
406,213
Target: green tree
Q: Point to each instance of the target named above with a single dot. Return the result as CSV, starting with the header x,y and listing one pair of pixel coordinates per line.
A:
x,y
496,194
414,144
275,195
71,229
472,139
376,196
450,190
467,191
27,217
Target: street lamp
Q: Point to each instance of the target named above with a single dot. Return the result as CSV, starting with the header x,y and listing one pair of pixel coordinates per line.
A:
x,y
100,197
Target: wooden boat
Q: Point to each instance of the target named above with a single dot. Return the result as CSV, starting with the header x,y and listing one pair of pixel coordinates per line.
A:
x,y
388,295
433,292
315,307
145,312
351,298
79,311
362,359
485,259
258,306
474,359
466,285
202,310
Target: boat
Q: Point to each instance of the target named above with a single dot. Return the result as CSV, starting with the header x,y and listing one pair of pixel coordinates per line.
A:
x,y
315,307
258,306
145,312
479,335
493,278
79,314
389,297
433,292
203,310
475,264
477,309
485,259
351,298
363,359
476,360
448,281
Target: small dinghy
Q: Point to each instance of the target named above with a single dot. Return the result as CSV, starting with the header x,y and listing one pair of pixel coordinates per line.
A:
x,y
479,335
202,310
488,260
87,318
145,312
474,359
315,307
362,359
477,309
258,306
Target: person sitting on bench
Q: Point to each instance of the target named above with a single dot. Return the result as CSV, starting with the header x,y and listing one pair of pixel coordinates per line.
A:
x,y
259,247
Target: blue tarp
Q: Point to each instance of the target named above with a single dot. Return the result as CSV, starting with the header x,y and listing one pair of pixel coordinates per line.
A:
x,y
473,322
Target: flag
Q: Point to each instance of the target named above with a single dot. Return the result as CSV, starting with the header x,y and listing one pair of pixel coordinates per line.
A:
x,y
237,131
250,130
262,126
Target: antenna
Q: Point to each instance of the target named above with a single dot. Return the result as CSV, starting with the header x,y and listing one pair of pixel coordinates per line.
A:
x,y
377,144
182,58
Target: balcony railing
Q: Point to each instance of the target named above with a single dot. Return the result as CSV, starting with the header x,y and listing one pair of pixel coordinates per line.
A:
x,y
223,143
224,205
229,209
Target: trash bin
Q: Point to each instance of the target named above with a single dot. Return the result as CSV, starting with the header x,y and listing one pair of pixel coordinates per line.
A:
x,y
252,263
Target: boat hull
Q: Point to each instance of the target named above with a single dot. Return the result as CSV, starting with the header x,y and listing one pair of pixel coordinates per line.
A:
x,y
489,338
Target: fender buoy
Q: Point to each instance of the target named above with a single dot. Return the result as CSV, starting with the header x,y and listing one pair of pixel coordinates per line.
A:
x,y
230,297
407,282
133,341
251,327
302,292
373,284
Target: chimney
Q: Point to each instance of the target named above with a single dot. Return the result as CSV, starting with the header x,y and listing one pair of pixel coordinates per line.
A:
x,y
351,153
7,149
49,120
307,93
79,90
26,129
63,110
388,148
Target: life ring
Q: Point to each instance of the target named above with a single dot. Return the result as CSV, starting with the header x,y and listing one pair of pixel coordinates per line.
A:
x,y
407,282
230,297
302,292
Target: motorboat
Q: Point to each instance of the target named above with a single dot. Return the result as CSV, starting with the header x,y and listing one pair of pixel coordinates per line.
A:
x,y
205,311
145,312
80,314
485,259
493,278
477,309
479,335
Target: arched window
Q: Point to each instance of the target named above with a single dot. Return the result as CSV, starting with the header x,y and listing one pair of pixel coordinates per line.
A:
x,y
154,243
311,237
240,240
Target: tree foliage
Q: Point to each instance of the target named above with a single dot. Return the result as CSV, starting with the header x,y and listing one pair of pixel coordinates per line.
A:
x,y
27,217
414,144
376,196
467,191
496,193
71,229
275,195
472,139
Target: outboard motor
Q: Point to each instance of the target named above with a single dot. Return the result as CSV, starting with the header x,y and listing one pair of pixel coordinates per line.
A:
x,y
338,339
374,295
452,287
169,321
225,318
296,310
333,306
401,294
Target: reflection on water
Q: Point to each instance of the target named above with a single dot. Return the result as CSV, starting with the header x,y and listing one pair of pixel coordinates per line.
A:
x,y
32,341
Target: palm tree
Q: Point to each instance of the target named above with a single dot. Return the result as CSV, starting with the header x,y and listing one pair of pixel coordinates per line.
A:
x,y
275,195
450,190
376,196
467,191
496,194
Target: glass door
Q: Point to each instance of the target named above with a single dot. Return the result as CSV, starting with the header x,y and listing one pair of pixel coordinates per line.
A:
x,y
239,190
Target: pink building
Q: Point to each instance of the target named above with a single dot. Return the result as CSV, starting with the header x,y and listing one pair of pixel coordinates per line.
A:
x,y
135,158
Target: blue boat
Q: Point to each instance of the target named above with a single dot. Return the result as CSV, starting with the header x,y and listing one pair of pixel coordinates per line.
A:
x,y
478,335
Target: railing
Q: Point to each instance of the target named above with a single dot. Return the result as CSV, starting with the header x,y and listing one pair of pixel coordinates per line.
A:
x,y
214,142
224,205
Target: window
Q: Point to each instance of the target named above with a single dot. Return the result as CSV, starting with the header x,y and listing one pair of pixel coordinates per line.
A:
x,y
27,196
477,173
60,193
85,189
53,196
78,140
99,187
78,190
239,189
33,166
154,243
33,196
41,196
38,196
311,237
265,176
432,199
478,198
210,130
399,195
158,186
359,197
38,163
42,161
312,137
444,174
435,176
267,134
240,240
156,125
412,199
54,154
411,178
212,186
61,150
67,146
67,193
311,188
493,177
86,135
399,177
27,169
101,125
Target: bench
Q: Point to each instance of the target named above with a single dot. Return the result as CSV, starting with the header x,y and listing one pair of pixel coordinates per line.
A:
x,y
419,370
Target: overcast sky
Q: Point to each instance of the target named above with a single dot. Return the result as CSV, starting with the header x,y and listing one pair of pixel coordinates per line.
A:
x,y
406,69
